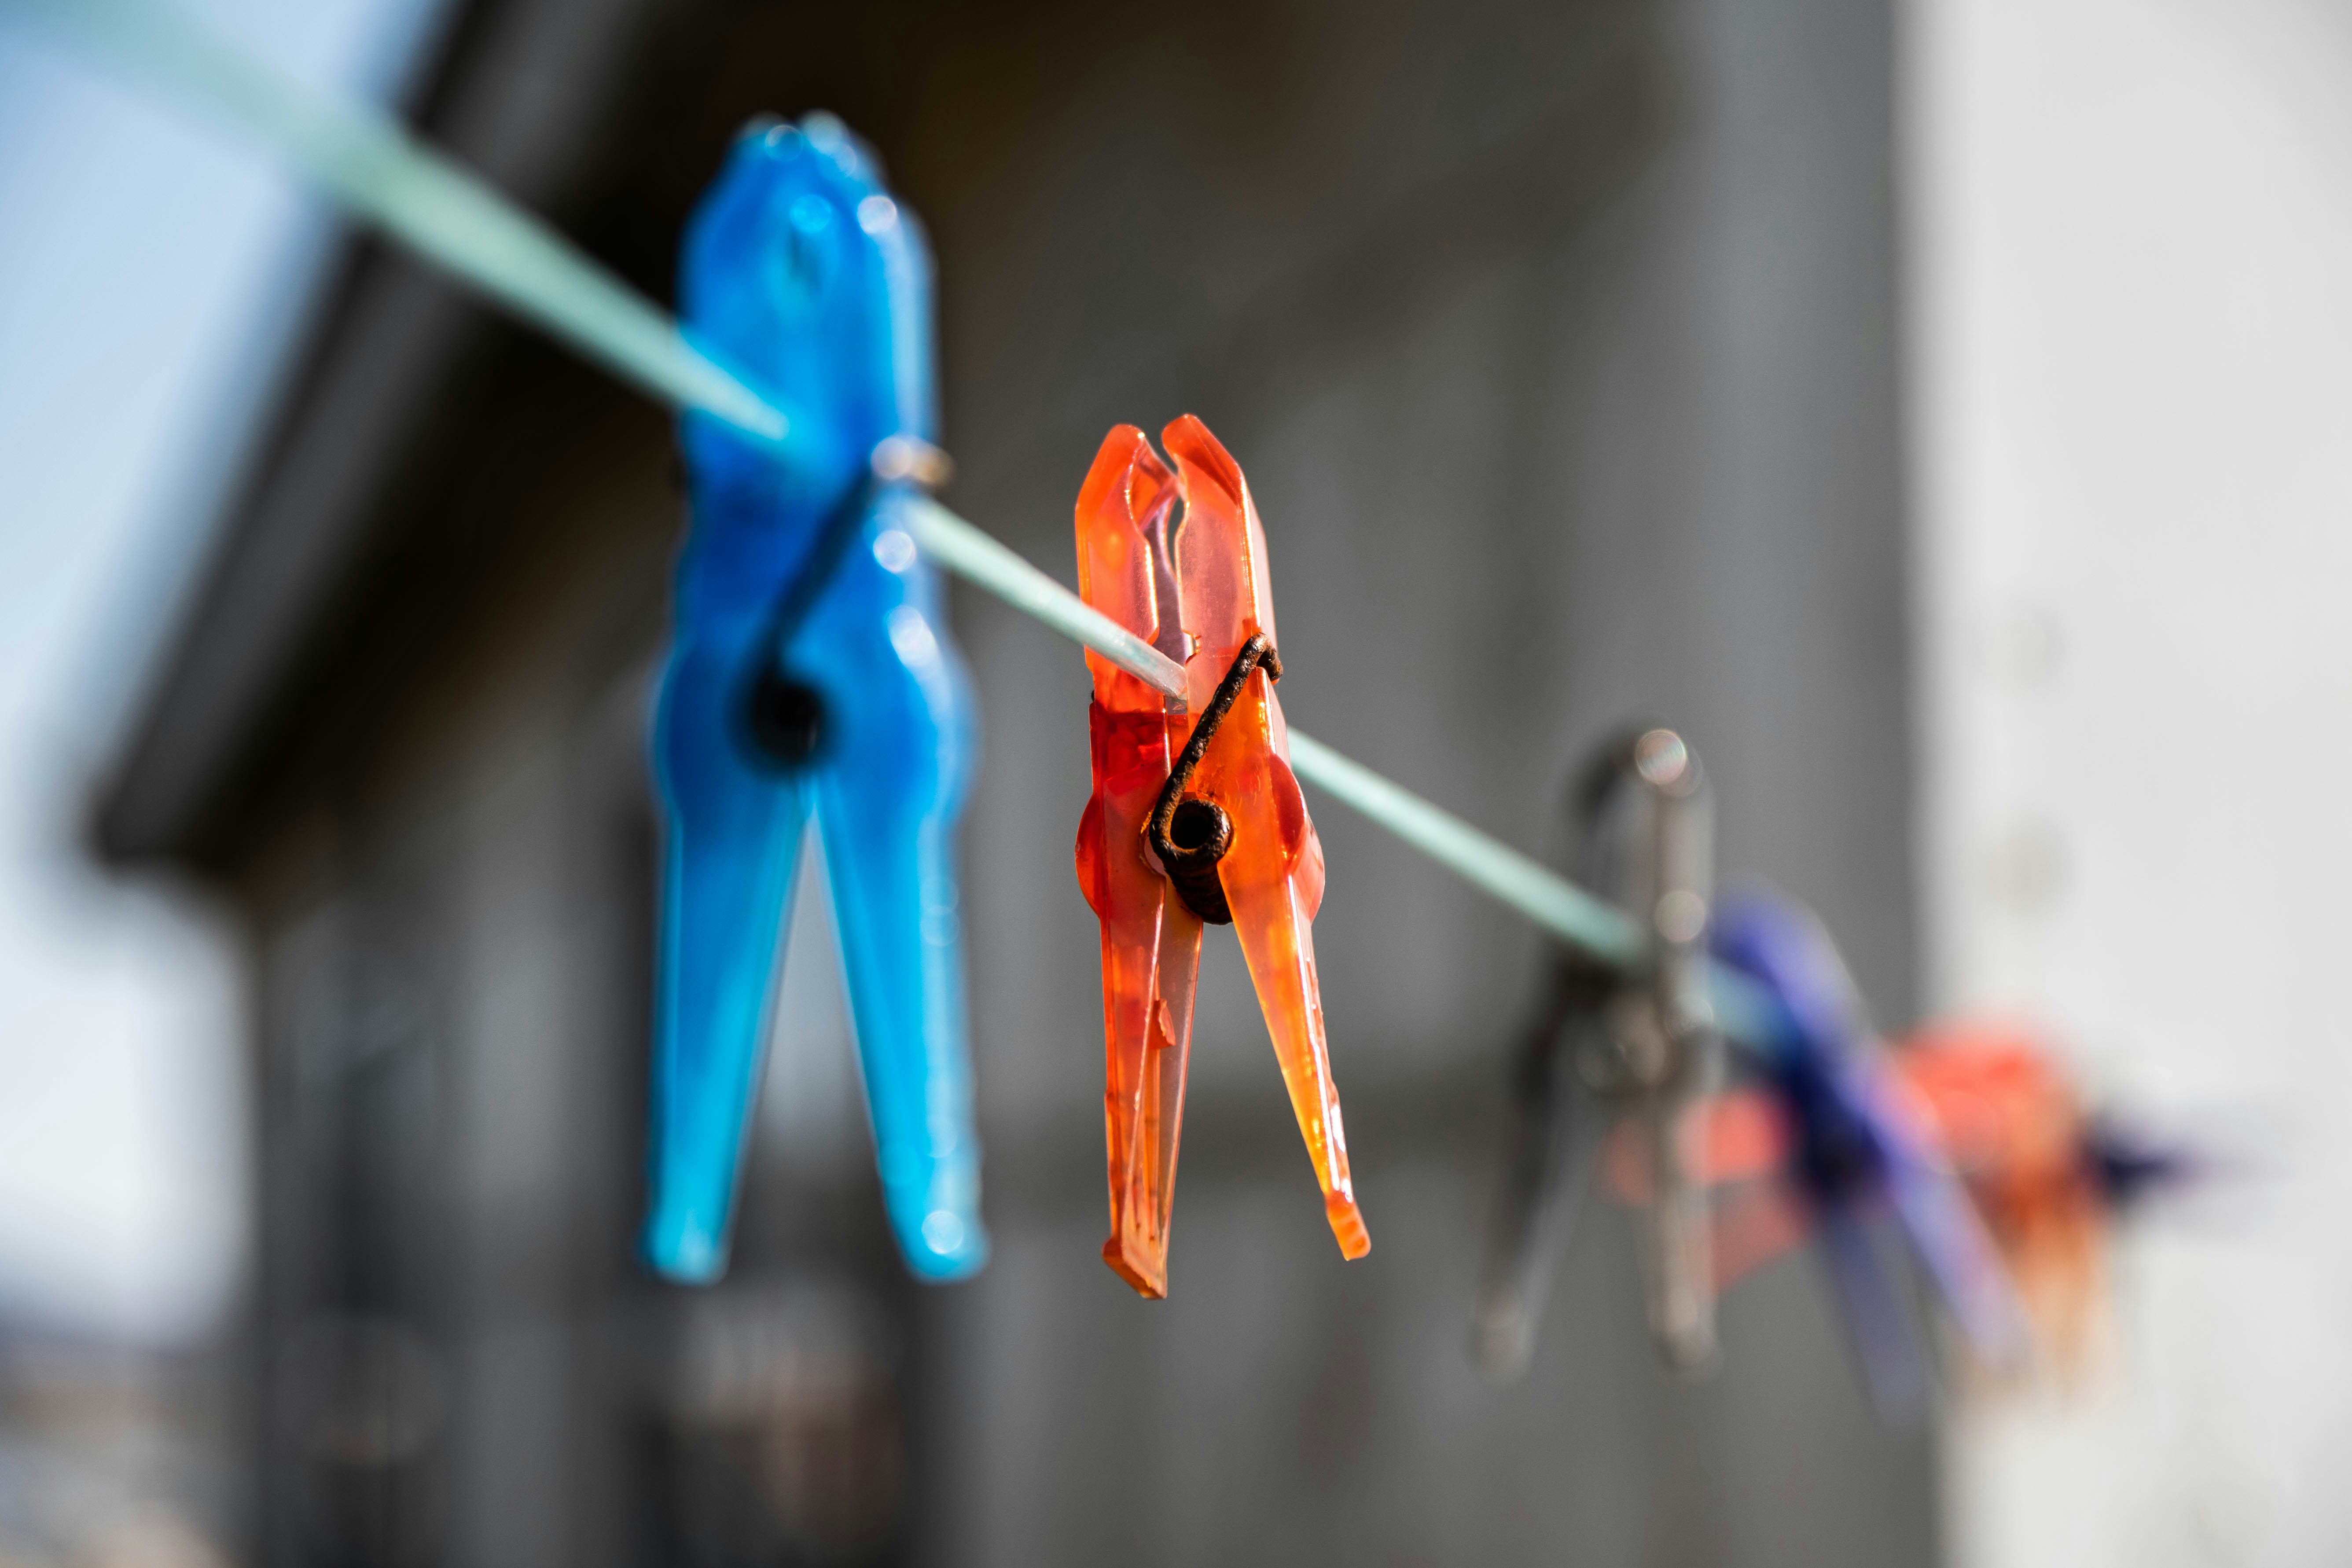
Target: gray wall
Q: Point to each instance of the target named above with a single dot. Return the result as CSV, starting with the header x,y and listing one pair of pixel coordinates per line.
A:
x,y
1558,345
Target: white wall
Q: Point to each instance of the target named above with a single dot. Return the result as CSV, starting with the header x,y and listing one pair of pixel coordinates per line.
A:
x,y
2130,276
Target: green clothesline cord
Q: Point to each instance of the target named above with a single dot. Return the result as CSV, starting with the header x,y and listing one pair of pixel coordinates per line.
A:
x,y
445,214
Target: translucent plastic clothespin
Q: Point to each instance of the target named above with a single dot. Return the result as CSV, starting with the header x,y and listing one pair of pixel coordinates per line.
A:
x,y
1608,1044
1864,1151
1195,818
810,674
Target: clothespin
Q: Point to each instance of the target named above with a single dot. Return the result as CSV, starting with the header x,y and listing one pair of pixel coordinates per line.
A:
x,y
810,673
1609,1044
1195,818
1863,1150
2048,1176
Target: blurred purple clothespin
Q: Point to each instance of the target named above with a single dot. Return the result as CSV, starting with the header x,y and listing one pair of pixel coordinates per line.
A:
x,y
1865,1154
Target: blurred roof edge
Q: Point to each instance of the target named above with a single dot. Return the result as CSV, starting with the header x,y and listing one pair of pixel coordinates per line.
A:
x,y
515,84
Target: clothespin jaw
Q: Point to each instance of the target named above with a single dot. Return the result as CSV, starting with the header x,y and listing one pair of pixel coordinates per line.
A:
x,y
810,674
1272,875
1607,1044
1864,1145
802,274
1150,940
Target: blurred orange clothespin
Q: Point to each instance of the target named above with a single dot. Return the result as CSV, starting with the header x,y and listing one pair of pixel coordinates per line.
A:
x,y
1195,817
2018,1136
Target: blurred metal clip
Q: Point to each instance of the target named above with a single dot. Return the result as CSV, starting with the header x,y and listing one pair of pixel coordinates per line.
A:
x,y
1608,1043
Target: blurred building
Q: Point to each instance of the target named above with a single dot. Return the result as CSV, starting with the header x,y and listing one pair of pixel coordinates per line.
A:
x,y
111,1455
1559,343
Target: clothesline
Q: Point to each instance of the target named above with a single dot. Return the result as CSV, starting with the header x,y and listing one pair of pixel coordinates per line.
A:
x,y
450,217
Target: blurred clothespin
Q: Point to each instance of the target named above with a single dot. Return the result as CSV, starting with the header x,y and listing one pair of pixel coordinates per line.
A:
x,y
1861,1149
1608,1044
2048,1176
810,673
1195,818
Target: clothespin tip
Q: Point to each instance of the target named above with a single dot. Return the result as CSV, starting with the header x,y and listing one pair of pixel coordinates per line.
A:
x,y
1348,1226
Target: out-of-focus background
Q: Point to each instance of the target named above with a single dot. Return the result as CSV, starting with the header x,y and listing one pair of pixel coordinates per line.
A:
x,y
1935,408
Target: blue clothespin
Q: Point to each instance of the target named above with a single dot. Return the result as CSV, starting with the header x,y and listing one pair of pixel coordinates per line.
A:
x,y
810,670
1864,1153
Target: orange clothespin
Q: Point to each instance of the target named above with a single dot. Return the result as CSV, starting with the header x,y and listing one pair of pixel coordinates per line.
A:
x,y
2050,1177
1195,817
